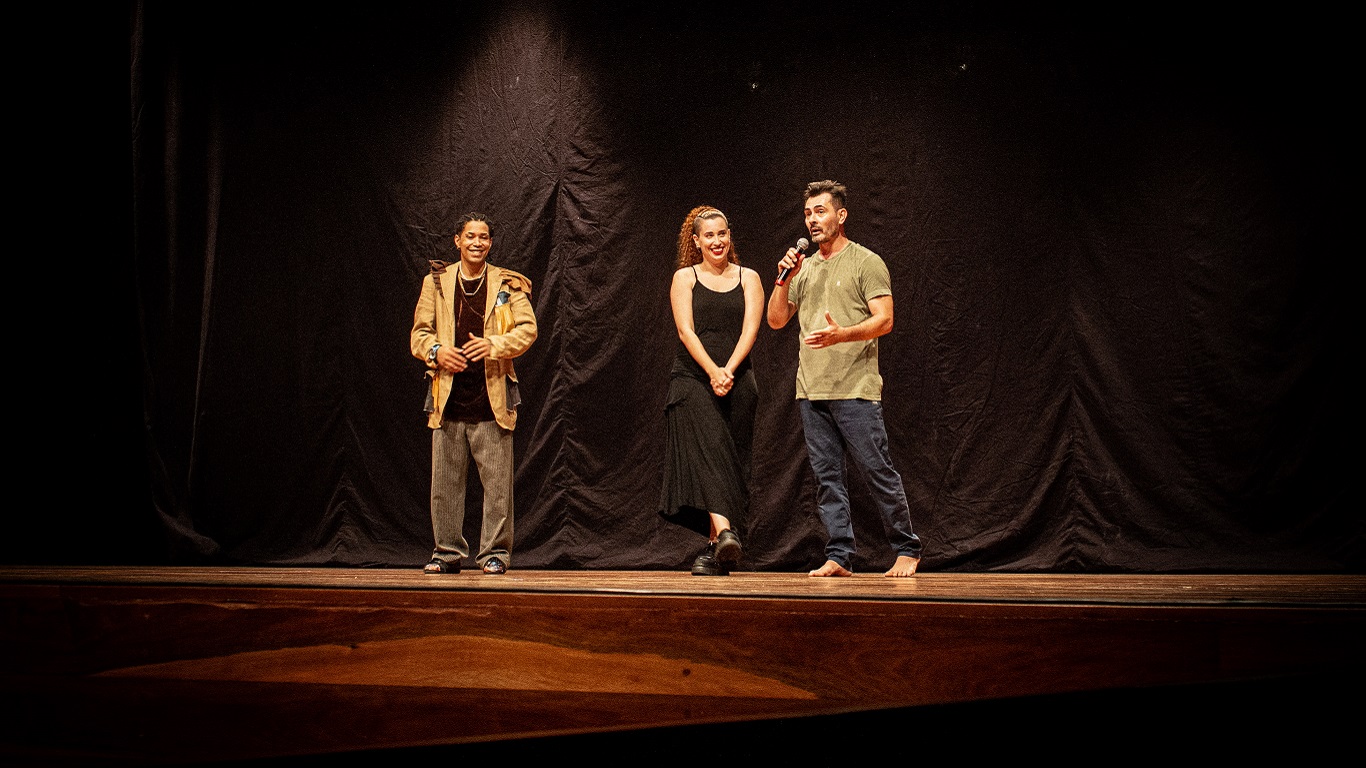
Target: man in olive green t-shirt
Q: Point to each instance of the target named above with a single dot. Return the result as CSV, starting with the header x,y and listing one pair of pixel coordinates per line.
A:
x,y
842,299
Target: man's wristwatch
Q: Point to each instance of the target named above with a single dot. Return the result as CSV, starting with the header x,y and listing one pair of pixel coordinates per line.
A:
x,y
431,353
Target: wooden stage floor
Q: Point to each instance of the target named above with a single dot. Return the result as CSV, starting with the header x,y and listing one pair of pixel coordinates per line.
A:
x,y
131,666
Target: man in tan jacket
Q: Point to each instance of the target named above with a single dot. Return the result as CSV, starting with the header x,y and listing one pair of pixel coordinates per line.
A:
x,y
471,320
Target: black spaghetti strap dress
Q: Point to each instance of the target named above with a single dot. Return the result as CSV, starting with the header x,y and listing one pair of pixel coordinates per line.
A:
x,y
708,438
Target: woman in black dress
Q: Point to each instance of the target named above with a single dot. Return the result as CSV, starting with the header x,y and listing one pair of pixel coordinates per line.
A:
x,y
709,416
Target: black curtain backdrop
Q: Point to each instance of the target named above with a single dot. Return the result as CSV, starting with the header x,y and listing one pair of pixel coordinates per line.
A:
x,y
1122,308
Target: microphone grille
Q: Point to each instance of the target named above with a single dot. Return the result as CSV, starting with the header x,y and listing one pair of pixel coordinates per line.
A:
x,y
802,243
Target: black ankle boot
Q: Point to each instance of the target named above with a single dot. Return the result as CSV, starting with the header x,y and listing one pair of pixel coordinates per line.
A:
x,y
706,563
728,548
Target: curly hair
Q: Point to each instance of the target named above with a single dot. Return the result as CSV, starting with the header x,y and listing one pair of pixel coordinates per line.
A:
x,y
688,254
837,191
472,216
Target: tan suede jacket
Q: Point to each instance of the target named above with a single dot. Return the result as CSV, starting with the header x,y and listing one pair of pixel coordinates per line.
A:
x,y
509,325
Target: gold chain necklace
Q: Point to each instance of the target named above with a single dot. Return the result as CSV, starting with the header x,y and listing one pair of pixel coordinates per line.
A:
x,y
482,274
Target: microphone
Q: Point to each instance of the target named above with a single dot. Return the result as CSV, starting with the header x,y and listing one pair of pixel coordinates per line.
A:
x,y
802,245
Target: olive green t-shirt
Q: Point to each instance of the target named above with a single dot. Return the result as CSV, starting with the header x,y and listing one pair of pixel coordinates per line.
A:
x,y
841,285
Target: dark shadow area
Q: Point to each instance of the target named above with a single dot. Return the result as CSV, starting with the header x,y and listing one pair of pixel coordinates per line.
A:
x,y
1294,718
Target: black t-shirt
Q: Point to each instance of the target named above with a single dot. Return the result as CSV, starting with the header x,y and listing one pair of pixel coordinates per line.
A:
x,y
468,400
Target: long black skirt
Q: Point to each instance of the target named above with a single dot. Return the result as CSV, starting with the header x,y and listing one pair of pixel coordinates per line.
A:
x,y
707,468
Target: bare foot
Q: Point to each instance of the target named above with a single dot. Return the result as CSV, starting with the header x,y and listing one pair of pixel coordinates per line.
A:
x,y
905,565
831,568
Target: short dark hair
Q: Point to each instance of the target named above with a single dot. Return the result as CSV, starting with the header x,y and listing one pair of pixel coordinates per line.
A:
x,y
837,191
472,216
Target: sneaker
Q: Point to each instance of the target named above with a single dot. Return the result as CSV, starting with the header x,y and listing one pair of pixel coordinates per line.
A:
x,y
706,563
728,548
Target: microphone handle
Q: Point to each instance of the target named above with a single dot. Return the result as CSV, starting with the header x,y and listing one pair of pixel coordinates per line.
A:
x,y
785,272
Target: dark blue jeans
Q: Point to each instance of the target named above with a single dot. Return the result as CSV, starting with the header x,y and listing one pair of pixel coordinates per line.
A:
x,y
831,427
